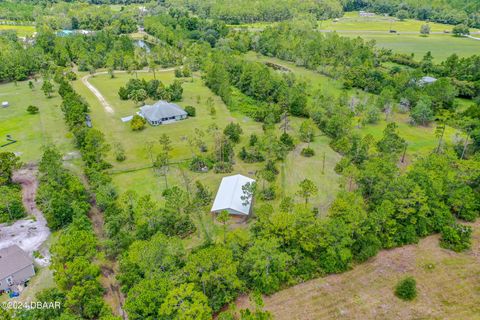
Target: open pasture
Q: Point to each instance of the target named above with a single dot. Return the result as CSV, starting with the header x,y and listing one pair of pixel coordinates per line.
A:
x,y
352,21
21,30
32,131
440,45
136,172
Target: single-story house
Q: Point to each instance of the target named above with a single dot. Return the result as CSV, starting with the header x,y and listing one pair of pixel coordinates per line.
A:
x,y
162,112
16,267
229,196
5,104
426,80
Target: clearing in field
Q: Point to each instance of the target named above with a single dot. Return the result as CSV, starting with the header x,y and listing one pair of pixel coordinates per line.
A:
x,y
135,173
447,285
421,140
407,38
352,21
32,131
441,46
21,30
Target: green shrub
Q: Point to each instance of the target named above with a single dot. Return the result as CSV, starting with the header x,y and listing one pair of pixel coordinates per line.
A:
x,y
287,141
11,206
138,123
32,109
223,167
268,193
191,111
307,152
406,289
200,164
456,237
233,132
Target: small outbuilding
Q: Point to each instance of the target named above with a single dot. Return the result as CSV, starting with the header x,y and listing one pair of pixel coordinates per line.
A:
x,y
5,104
426,80
229,196
162,112
16,267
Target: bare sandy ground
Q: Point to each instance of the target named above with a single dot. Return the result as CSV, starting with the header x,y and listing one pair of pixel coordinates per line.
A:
x,y
30,233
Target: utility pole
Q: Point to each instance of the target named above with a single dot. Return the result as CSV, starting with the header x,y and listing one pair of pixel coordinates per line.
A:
x,y
404,151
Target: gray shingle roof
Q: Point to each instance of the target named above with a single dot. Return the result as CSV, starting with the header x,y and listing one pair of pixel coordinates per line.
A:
x,y
13,259
160,110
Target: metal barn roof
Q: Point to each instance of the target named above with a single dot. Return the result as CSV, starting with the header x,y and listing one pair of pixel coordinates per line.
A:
x,y
161,110
229,195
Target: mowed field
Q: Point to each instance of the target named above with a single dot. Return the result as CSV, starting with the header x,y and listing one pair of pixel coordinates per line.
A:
x,y
441,46
135,172
32,132
421,140
352,21
407,39
447,284
21,30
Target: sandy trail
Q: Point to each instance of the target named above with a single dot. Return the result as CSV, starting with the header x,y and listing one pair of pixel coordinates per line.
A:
x,y
30,233
107,106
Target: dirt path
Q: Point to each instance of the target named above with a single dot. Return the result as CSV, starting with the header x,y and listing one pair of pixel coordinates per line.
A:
x,y
107,106
30,233
109,268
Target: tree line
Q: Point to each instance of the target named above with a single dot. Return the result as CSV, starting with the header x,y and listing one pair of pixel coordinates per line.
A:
x,y
11,205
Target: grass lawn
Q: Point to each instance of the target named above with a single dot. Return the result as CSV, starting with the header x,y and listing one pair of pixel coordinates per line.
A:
x,y
421,140
351,21
441,46
22,30
447,286
32,132
377,28
134,173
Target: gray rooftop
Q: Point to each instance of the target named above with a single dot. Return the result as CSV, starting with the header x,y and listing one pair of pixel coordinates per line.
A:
x,y
13,259
160,110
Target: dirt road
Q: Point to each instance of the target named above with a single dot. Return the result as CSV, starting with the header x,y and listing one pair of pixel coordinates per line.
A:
x,y
108,108
30,233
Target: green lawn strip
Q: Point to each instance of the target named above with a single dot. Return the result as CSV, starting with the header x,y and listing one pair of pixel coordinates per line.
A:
x,y
353,22
21,30
32,132
441,46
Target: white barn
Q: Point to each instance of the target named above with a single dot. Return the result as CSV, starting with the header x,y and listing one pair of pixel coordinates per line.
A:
x,y
229,196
